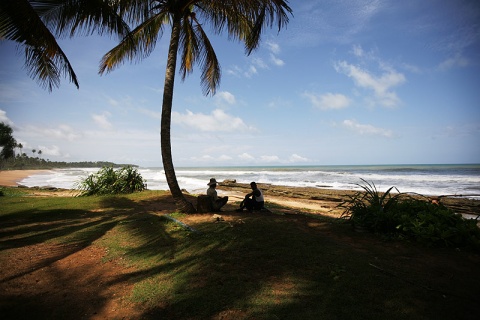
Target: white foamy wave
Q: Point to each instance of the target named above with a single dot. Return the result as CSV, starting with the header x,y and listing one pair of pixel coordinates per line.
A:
x,y
426,180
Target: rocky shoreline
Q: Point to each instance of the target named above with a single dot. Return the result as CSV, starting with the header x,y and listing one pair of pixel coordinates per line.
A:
x,y
331,198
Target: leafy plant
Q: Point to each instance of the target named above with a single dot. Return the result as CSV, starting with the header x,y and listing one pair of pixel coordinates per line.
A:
x,y
435,224
409,217
371,209
110,181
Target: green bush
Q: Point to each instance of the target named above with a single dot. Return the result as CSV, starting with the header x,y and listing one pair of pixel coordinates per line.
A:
x,y
411,218
435,224
110,181
370,209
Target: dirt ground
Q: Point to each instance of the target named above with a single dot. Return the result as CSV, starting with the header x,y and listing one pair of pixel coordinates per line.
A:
x,y
65,282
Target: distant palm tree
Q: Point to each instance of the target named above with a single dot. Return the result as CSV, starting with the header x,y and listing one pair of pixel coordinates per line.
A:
x,y
243,20
7,142
20,146
27,23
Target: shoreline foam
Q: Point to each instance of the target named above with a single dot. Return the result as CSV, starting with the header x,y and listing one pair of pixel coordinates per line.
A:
x,y
11,178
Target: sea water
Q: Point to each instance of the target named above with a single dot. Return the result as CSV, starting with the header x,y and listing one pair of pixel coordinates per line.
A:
x,y
432,180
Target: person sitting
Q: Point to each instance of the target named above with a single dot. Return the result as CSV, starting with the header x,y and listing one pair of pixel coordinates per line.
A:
x,y
254,200
218,202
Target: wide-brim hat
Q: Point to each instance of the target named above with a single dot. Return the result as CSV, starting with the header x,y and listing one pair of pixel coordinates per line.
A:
x,y
212,181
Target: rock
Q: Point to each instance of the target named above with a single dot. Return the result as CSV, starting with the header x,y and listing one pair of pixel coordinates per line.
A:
x,y
218,217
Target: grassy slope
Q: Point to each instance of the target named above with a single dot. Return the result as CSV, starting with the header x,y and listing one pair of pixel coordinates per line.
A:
x,y
250,266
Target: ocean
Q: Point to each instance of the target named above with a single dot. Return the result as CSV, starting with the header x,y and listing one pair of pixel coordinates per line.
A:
x,y
429,180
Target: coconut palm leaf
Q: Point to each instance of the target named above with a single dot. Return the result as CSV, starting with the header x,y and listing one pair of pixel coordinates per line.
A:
x,y
33,23
45,61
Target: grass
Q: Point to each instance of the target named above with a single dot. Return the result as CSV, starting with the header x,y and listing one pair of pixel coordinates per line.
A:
x,y
256,266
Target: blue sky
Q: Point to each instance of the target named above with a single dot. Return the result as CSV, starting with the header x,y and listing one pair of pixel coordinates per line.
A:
x,y
347,82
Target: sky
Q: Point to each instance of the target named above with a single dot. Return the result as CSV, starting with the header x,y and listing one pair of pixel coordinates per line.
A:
x,y
345,83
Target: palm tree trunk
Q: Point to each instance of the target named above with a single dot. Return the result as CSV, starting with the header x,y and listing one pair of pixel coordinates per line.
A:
x,y
182,204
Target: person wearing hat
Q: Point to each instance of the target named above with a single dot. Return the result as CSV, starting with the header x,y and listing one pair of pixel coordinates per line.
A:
x,y
254,200
218,202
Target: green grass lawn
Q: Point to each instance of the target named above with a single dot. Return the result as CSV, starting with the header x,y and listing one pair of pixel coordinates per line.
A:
x,y
250,266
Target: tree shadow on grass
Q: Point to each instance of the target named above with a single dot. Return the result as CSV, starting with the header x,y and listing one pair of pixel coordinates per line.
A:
x,y
270,267
32,244
252,266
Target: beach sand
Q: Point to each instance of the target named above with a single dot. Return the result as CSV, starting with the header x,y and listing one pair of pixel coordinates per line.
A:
x,y
10,178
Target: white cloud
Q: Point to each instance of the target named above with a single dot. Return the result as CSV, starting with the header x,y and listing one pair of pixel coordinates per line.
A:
x,y
63,132
328,101
4,118
256,64
296,158
457,61
332,20
246,156
217,121
250,72
273,47
259,63
112,102
235,71
381,85
50,151
279,102
224,97
150,113
358,51
269,159
224,157
366,129
102,120
276,61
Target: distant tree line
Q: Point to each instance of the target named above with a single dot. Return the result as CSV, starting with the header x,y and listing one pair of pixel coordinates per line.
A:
x,y
12,160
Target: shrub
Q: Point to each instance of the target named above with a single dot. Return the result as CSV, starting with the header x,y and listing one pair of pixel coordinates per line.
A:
x,y
435,224
406,217
110,181
370,209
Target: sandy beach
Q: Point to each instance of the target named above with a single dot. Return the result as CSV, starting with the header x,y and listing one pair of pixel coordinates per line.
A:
x,y
10,178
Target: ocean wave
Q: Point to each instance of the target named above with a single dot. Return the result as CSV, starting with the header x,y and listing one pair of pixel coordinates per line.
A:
x,y
441,180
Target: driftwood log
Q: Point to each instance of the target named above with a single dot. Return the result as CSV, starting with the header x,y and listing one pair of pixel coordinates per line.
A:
x,y
204,204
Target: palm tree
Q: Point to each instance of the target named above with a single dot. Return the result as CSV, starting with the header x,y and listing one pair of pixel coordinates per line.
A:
x,y
7,142
243,20
29,24
20,146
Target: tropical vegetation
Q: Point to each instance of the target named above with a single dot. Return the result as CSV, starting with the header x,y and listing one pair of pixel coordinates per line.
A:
x,y
32,24
242,20
110,181
408,217
7,142
11,160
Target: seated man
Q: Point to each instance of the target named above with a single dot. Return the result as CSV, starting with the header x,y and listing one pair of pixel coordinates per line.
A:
x,y
254,200
218,202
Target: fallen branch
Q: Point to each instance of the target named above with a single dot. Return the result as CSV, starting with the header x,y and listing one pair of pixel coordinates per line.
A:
x,y
183,225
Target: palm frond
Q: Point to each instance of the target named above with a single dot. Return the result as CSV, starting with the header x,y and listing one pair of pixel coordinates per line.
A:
x,y
138,44
245,20
44,59
211,72
70,17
